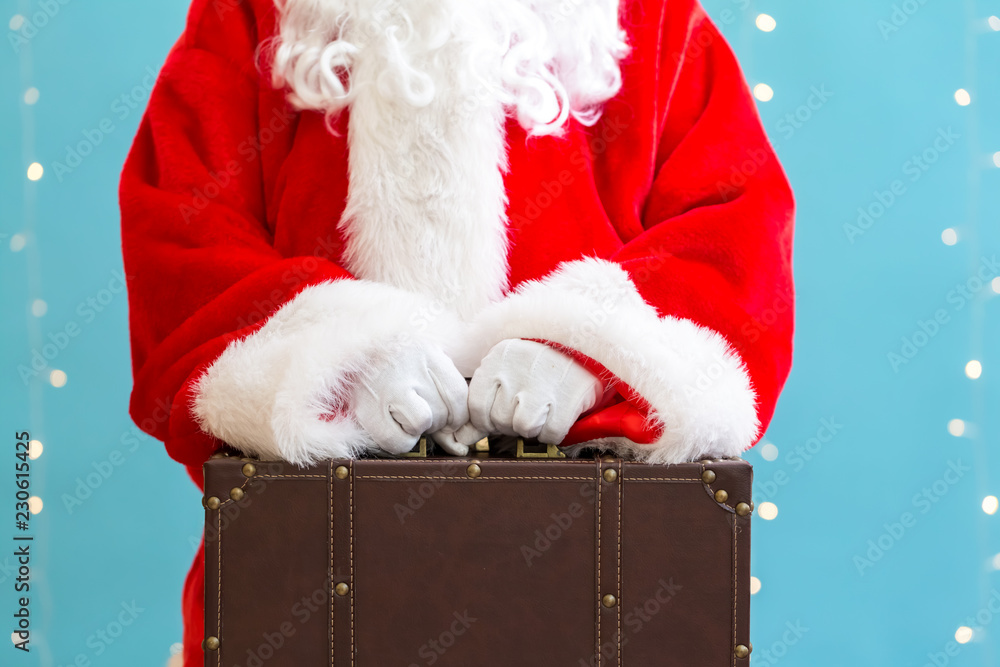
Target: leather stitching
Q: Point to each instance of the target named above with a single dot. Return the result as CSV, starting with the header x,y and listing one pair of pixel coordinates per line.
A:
x,y
333,627
218,654
618,607
466,479
289,476
350,563
735,589
599,538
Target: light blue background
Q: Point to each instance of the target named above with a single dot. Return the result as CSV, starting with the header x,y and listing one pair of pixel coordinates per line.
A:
x,y
133,538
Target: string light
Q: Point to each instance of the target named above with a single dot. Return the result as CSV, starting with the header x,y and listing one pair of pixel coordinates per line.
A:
x,y
35,171
995,284
766,22
16,21
956,427
57,378
973,369
31,95
767,511
763,92
39,308
996,562
963,635
35,505
35,449
754,585
990,505
996,158
949,236
17,242
962,97
994,22
769,452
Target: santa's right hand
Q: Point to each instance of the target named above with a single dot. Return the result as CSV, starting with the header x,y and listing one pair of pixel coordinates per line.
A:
x,y
402,396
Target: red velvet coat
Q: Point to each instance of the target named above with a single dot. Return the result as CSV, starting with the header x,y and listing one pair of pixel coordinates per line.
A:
x,y
657,242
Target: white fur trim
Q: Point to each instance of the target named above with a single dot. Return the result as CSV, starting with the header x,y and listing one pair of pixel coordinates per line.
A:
x,y
428,84
695,383
272,393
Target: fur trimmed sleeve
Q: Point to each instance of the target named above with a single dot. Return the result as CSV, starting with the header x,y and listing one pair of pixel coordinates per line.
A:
x,y
219,318
693,314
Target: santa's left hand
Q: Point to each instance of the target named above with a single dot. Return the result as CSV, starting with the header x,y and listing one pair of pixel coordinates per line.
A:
x,y
529,389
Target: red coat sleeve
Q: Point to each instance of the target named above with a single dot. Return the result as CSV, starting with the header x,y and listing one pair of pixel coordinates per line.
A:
x,y
693,314
203,271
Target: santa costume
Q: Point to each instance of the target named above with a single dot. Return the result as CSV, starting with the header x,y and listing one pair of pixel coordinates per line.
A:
x,y
321,188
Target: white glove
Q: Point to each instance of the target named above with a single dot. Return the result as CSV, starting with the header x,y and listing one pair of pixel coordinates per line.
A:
x,y
406,395
529,389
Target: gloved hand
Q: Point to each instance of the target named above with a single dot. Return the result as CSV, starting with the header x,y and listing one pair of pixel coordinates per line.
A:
x,y
405,395
529,389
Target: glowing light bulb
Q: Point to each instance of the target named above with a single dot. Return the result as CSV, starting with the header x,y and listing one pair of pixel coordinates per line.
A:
x,y
754,585
949,236
769,452
962,97
973,369
963,635
994,22
990,505
767,511
31,95
17,242
57,378
766,22
16,21
39,308
35,505
763,92
35,449
956,427
35,171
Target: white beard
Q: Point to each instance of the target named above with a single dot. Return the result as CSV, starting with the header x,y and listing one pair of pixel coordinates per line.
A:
x,y
429,84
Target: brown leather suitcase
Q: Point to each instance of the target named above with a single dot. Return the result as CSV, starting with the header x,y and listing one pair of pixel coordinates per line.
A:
x,y
477,562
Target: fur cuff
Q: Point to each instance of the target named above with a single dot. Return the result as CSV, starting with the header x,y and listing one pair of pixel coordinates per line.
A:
x,y
281,392
695,383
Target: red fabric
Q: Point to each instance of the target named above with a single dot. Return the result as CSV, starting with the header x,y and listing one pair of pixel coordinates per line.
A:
x,y
230,204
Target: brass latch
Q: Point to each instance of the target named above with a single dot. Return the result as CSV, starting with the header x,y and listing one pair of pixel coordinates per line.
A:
x,y
538,451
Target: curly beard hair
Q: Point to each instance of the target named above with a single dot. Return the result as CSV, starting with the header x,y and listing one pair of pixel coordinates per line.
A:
x,y
545,60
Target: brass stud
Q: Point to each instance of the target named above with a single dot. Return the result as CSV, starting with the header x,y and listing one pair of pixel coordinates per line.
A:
x,y
341,472
609,601
342,589
708,476
742,652
213,503
212,644
237,494
249,470
743,509
474,471
721,496
610,475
